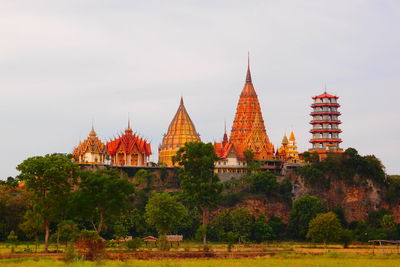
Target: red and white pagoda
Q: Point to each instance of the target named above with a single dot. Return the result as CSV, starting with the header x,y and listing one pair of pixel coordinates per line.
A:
x,y
325,124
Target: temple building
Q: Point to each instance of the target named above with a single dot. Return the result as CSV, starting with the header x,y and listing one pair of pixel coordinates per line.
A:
x,y
325,125
229,161
288,151
181,130
90,151
248,129
129,150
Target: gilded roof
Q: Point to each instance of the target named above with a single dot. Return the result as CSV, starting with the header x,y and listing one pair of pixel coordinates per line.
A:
x,y
92,144
181,130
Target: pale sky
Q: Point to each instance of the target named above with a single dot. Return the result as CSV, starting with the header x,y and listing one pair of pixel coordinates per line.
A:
x,y
64,63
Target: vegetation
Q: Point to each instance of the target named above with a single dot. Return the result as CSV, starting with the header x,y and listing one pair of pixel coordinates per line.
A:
x,y
325,227
54,201
164,212
304,210
199,184
49,179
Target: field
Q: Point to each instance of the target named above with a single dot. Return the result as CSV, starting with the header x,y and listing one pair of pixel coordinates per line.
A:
x,y
276,261
189,254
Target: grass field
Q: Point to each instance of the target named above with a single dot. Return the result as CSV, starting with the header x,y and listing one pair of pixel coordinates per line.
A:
x,y
286,254
276,261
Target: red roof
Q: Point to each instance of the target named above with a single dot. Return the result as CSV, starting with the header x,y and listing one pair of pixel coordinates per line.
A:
x,y
127,142
325,95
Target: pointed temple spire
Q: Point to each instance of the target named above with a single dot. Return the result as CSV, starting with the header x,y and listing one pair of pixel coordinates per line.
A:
x,y
248,76
248,129
181,130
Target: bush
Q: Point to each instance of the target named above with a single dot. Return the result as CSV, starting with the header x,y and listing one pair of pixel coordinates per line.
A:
x,y
134,244
70,253
90,245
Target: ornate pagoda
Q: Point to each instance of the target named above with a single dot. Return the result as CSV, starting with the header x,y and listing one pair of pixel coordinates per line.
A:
x,y
325,124
90,151
248,129
288,151
129,150
181,130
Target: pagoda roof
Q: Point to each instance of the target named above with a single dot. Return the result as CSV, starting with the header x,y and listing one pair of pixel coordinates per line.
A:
x,y
92,144
127,142
181,129
325,95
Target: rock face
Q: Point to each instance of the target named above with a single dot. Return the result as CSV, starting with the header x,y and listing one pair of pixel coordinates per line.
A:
x,y
357,198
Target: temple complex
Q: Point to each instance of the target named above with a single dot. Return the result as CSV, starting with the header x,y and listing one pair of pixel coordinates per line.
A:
x,y
181,130
90,151
248,129
325,125
129,150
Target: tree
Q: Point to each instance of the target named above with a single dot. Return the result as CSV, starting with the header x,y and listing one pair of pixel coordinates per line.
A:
x,y
102,195
164,212
32,225
252,165
49,178
263,182
325,227
242,222
67,230
304,210
262,230
199,184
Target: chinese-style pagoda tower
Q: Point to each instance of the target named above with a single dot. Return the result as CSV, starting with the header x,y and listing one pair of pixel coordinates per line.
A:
x,y
181,130
90,151
325,124
129,149
248,129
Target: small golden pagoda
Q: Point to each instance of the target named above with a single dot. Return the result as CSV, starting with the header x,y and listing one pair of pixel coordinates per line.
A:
x,y
181,130
288,150
90,151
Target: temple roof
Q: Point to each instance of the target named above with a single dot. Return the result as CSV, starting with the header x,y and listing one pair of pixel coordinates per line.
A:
x,y
127,143
92,144
325,95
285,140
292,138
181,129
248,128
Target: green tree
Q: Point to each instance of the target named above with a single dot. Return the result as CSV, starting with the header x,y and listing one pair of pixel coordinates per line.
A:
x,y
102,195
325,227
252,165
242,222
164,212
263,182
12,238
49,178
304,210
67,230
199,184
262,230
32,225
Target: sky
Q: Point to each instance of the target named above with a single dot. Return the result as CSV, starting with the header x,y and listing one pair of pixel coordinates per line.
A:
x,y
66,63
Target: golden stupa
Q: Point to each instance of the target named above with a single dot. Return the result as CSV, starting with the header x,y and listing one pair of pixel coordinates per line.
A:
x,y
181,130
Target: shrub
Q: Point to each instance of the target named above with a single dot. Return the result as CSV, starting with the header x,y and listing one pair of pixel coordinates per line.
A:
x,y
90,245
134,244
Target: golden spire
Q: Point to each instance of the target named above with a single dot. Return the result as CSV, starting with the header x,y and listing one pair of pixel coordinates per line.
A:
x,y
292,138
181,130
285,140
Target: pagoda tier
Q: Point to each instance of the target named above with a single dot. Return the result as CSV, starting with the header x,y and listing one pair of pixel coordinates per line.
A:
x,y
90,151
325,122
288,151
248,129
181,130
129,150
